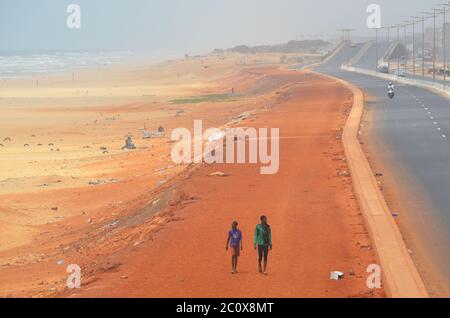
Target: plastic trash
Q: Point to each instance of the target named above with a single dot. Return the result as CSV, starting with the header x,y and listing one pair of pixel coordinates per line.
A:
x,y
336,275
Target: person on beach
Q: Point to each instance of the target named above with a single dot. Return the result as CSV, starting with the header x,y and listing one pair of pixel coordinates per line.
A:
x,y
235,242
263,241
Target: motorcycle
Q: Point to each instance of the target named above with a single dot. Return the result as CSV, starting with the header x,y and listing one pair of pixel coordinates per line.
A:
x,y
391,93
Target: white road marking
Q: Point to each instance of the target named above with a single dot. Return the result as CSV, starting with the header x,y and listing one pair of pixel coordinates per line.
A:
x,y
444,136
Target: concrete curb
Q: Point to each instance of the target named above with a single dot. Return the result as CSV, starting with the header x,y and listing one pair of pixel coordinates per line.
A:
x,y
400,276
436,87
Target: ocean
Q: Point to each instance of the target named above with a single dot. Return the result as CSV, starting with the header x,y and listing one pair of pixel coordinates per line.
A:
x,y
27,63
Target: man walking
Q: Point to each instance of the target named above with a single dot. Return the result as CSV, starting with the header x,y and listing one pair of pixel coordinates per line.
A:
x,y
235,242
263,241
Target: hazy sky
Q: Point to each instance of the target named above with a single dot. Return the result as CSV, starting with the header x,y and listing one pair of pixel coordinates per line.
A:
x,y
191,26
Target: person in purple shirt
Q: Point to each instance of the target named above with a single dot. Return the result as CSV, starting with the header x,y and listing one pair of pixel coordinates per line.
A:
x,y
235,242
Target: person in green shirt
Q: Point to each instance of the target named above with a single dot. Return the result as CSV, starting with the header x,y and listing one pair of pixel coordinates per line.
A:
x,y
263,241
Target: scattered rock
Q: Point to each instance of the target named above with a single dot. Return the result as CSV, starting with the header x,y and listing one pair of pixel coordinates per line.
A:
x,y
162,182
113,224
343,173
218,174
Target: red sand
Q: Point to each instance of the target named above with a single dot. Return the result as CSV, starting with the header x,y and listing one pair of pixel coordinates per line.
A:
x,y
316,223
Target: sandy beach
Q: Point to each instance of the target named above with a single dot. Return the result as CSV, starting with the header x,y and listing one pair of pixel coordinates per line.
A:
x,y
140,225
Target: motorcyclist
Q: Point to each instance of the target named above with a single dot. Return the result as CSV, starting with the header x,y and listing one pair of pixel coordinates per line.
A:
x,y
391,90
391,87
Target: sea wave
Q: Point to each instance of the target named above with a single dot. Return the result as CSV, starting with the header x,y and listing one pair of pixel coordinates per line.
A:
x,y
20,64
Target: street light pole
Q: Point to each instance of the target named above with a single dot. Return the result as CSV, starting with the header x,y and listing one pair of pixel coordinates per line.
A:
x,y
434,45
376,49
414,47
433,15
423,47
422,19
406,46
389,44
445,53
444,12
398,53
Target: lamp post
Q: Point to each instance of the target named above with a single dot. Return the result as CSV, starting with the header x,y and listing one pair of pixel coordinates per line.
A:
x,y
422,19
434,43
444,12
414,46
376,50
398,54
405,25
389,43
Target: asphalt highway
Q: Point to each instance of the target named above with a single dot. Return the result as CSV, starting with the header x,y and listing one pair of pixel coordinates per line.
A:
x,y
412,132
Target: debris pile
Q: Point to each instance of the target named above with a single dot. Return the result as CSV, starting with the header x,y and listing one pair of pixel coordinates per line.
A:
x,y
129,144
160,133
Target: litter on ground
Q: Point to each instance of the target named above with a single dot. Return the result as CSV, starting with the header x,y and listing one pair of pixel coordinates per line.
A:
x,y
336,275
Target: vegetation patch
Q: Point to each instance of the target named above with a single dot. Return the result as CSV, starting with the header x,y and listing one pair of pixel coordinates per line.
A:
x,y
203,99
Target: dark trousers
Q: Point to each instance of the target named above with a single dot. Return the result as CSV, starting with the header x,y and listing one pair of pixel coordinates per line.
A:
x,y
263,252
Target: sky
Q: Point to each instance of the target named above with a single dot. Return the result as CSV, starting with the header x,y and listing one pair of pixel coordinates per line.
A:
x,y
186,26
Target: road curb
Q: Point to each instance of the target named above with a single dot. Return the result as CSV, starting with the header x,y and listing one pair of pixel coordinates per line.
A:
x,y
400,276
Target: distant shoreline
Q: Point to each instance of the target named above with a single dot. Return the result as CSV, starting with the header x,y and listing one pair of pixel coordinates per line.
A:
x,y
29,64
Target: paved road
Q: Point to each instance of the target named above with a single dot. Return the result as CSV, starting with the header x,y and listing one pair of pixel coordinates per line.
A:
x,y
414,131
368,62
